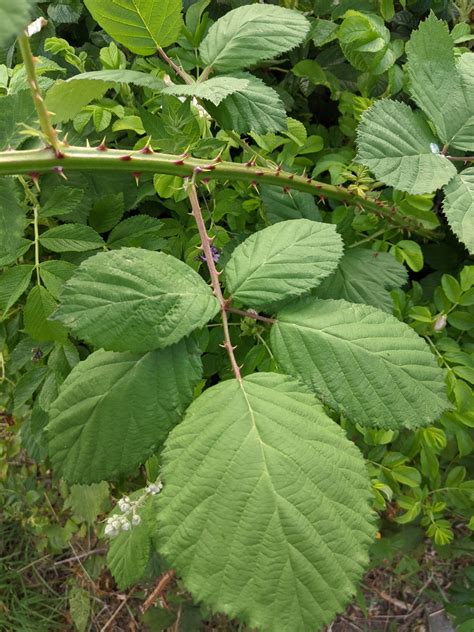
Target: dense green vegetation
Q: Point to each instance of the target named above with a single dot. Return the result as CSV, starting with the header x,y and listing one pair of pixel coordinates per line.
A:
x,y
237,315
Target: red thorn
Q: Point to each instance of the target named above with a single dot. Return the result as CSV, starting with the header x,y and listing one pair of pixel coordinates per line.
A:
x,y
35,177
218,158
59,154
286,189
198,170
291,176
60,172
322,198
147,150
101,147
205,180
137,175
250,163
319,186
178,162
309,180
126,158
209,167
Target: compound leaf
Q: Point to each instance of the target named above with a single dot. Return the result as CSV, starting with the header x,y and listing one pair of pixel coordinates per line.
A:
x,y
361,361
140,25
135,300
115,409
250,34
459,207
283,260
437,85
265,507
364,276
399,147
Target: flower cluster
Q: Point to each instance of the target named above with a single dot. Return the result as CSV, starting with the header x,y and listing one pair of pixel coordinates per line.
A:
x,y
129,508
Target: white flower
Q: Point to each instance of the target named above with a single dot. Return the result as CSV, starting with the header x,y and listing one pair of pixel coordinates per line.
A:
x,y
124,504
110,530
136,519
126,526
116,523
154,488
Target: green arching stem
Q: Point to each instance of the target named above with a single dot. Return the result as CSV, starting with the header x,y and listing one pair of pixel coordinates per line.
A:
x,y
38,161
43,114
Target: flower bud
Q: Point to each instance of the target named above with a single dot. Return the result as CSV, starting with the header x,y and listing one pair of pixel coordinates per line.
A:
x,y
440,322
126,526
136,519
124,504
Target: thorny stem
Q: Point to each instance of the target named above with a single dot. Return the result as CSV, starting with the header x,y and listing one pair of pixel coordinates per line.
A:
x,y
178,70
206,242
146,161
35,204
464,159
43,114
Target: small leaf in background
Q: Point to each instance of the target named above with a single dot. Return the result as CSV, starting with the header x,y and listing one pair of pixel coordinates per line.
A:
x,y
12,218
87,502
397,144
106,212
410,252
458,207
236,518
16,110
364,276
13,282
39,307
61,201
280,206
71,238
250,34
282,261
54,274
79,607
135,300
138,231
14,16
27,385
360,361
65,99
140,25
115,409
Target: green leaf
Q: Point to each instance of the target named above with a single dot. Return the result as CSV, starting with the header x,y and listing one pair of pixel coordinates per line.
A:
x,y
256,108
138,231
65,99
79,607
135,300
362,362
247,517
12,218
250,34
399,147
62,201
214,90
54,274
13,282
437,84
106,212
458,207
14,16
364,276
71,238
280,206
16,110
115,409
27,385
365,40
281,261
129,551
88,501
39,306
133,77
140,25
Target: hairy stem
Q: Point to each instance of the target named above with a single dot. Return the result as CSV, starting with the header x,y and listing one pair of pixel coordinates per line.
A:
x,y
206,242
146,161
43,114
